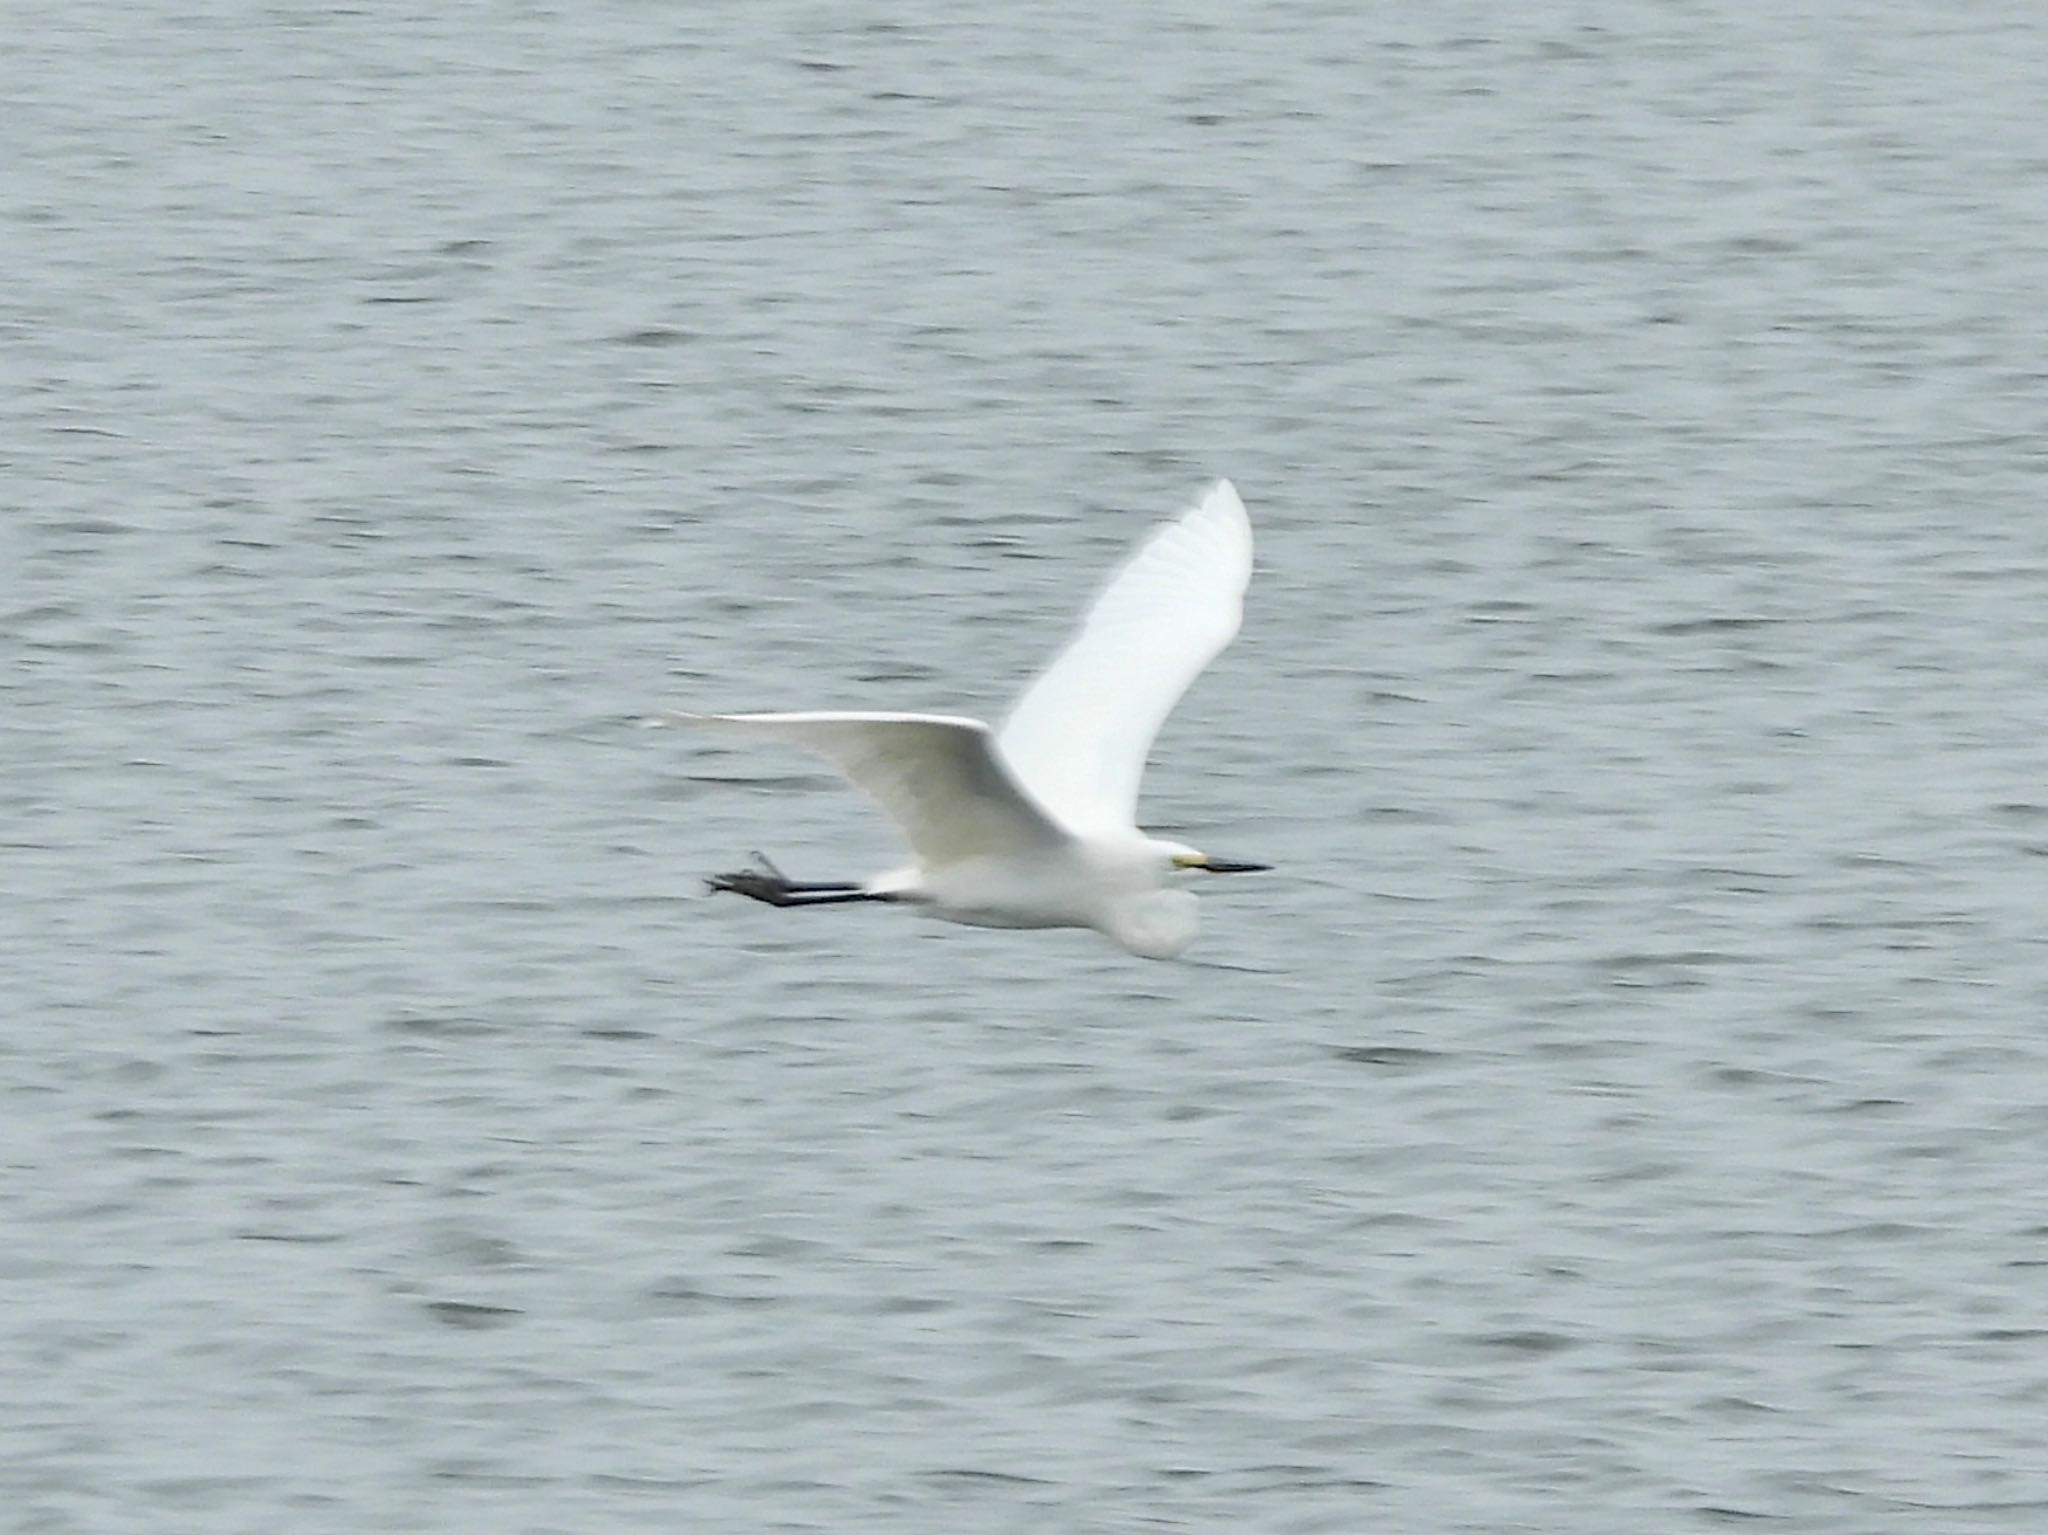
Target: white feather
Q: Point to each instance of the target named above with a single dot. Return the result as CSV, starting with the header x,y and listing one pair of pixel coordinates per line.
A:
x,y
1037,827
937,776
1079,736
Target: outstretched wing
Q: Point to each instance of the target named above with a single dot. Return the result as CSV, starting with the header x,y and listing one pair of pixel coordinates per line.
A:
x,y
938,777
1079,736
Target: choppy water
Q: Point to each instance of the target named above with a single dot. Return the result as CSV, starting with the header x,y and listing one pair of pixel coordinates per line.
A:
x,y
1625,1112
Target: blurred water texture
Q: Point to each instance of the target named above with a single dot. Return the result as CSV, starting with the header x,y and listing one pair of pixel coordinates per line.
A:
x,y
1625,1110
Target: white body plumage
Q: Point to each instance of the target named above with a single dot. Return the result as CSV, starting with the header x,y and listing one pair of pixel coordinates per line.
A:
x,y
1035,826
1115,886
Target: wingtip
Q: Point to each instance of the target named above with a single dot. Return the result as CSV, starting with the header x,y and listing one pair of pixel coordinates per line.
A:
x,y
1223,509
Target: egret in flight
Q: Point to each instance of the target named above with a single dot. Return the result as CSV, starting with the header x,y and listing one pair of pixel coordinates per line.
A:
x,y
1035,824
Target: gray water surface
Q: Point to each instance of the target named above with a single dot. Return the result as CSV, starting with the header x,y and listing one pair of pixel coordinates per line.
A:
x,y
1626,1109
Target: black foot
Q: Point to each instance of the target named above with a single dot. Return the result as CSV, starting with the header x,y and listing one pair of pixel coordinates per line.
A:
x,y
754,885
767,883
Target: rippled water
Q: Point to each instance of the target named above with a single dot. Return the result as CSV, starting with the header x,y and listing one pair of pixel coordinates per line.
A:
x,y
1624,1112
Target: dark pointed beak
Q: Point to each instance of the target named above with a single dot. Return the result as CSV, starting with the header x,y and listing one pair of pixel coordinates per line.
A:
x,y
1233,866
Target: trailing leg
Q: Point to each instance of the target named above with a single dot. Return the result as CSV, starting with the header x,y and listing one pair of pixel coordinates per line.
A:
x,y
768,884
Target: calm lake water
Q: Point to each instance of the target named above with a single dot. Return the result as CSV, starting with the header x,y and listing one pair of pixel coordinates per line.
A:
x,y
1627,1108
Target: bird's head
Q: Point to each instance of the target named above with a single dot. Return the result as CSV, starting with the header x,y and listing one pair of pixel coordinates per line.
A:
x,y
1180,856
1158,924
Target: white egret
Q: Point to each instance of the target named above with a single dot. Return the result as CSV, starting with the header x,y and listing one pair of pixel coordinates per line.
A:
x,y
1035,825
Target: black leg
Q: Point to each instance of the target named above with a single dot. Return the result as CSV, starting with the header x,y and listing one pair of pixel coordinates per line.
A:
x,y
768,884
799,887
